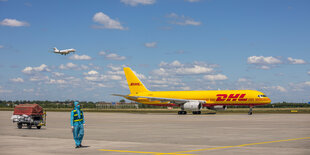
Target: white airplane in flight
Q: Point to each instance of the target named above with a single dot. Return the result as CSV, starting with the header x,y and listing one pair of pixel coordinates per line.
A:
x,y
63,52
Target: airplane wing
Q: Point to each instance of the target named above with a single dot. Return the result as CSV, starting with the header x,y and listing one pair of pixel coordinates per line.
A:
x,y
171,100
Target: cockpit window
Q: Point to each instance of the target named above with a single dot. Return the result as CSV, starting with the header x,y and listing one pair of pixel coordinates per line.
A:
x,y
262,96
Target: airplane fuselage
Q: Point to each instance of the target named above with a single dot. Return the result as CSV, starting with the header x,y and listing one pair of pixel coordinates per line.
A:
x,y
210,97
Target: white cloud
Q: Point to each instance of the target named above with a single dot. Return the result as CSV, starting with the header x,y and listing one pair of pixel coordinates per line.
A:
x,y
182,20
175,63
94,76
264,67
56,81
38,78
13,23
185,88
17,80
151,44
243,80
80,57
114,77
165,82
296,61
102,53
32,70
299,86
92,72
137,2
192,1
194,70
307,83
106,22
5,90
309,72
84,67
115,68
177,68
277,88
215,77
261,60
280,88
101,85
69,65
113,56
58,74
28,90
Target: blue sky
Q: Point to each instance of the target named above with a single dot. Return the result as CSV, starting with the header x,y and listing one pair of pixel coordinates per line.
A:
x,y
171,44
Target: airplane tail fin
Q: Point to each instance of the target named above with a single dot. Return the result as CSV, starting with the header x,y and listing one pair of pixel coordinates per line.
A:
x,y
134,84
55,49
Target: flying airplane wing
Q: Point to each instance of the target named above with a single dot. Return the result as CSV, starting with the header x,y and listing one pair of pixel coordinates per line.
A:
x,y
171,100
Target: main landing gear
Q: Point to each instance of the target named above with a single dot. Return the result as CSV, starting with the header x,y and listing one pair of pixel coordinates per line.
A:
x,y
196,112
250,111
182,112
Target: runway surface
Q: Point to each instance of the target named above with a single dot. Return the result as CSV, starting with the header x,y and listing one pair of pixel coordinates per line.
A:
x,y
128,133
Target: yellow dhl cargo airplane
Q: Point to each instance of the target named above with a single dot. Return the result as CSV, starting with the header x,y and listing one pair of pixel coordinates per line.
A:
x,y
192,100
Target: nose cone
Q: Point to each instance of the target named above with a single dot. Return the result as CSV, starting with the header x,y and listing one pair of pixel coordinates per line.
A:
x,y
268,100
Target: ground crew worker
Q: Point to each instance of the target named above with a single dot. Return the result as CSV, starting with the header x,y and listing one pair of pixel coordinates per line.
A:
x,y
77,124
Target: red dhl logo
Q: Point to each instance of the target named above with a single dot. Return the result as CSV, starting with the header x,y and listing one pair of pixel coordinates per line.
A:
x,y
134,84
231,97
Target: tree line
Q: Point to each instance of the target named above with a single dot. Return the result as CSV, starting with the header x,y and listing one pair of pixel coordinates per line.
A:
x,y
86,104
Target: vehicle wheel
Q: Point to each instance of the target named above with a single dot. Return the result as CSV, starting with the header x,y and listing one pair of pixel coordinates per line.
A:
x,y
182,112
29,126
38,127
19,125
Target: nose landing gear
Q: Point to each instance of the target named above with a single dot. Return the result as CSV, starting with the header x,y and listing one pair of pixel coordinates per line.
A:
x,y
250,111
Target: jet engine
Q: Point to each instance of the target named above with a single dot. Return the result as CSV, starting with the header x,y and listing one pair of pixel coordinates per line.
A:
x,y
218,107
192,106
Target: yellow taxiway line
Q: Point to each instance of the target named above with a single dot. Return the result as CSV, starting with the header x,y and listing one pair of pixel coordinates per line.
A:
x,y
206,149
242,145
154,153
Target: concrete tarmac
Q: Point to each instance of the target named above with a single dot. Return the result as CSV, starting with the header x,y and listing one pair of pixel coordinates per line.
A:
x,y
129,133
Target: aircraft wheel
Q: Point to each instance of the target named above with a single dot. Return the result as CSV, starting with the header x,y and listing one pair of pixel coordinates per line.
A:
x,y
196,112
182,112
29,126
19,125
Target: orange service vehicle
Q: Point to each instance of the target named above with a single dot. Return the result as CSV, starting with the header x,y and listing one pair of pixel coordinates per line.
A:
x,y
192,101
